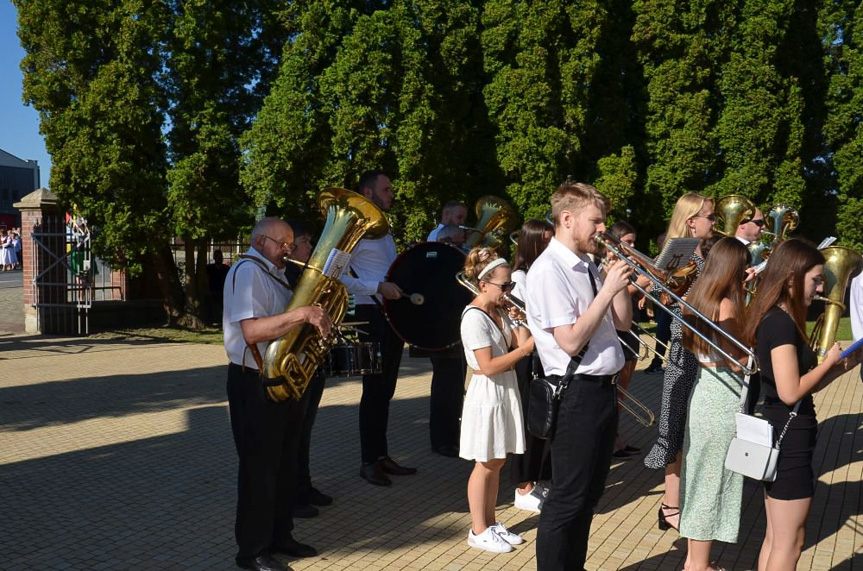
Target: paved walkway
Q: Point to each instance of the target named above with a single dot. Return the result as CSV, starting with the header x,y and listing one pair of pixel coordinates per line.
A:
x,y
118,455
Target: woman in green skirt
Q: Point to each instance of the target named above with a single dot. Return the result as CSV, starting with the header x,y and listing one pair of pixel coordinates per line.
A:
x,y
710,495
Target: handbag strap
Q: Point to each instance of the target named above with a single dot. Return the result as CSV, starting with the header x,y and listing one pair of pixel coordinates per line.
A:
x,y
744,395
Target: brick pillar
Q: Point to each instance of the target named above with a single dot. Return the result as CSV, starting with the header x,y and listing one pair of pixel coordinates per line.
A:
x,y
37,207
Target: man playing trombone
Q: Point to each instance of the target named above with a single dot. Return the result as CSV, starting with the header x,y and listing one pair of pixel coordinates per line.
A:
x,y
573,314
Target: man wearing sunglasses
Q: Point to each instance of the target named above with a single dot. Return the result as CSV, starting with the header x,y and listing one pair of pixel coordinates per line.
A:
x,y
750,230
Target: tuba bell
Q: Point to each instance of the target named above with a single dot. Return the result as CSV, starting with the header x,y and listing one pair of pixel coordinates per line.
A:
x,y
731,211
840,264
291,360
495,219
785,219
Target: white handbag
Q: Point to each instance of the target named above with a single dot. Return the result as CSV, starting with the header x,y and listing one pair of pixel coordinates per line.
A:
x,y
756,460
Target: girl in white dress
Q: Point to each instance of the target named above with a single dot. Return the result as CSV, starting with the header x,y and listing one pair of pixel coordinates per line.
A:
x,y
491,425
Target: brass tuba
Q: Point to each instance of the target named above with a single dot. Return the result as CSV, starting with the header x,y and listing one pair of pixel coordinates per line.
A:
x,y
731,211
785,219
291,360
840,264
495,219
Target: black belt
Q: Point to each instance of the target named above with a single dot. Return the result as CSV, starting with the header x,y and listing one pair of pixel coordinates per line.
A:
x,y
602,379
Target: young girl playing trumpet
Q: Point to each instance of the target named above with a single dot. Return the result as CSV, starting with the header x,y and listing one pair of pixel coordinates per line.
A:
x,y
491,425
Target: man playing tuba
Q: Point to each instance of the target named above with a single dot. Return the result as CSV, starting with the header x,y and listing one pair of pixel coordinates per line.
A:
x,y
265,432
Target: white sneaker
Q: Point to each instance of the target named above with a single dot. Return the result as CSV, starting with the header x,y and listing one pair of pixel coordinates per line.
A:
x,y
488,540
531,501
507,535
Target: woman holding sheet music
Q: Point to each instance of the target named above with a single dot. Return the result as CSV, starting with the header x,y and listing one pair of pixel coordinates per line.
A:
x,y
692,218
711,496
776,327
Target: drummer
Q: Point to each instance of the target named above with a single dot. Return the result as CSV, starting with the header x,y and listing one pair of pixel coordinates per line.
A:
x,y
449,369
370,261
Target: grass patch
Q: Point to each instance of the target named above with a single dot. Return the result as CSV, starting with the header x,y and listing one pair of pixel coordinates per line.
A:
x,y
207,336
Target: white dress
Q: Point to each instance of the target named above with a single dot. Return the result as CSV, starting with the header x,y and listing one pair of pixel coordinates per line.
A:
x,y
492,424
4,252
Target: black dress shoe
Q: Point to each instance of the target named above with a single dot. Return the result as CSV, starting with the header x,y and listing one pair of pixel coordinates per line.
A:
x,y
318,498
263,562
290,546
305,511
389,466
374,474
448,451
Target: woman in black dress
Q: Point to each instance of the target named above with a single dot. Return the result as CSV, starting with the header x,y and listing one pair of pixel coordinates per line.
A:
x,y
789,374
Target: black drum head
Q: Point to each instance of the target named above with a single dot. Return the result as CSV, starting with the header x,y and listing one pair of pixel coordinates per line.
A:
x,y
428,269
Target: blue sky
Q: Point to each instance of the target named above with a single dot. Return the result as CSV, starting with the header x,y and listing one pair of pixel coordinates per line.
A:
x,y
19,124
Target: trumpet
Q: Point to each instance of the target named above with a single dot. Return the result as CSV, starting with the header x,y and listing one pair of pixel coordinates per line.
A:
x,y
629,403
647,269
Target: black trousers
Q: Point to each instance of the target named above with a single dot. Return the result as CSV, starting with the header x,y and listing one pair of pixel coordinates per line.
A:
x,y
446,398
378,390
310,402
266,435
580,457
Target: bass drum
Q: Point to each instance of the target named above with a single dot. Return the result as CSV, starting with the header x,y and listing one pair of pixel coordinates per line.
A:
x,y
428,269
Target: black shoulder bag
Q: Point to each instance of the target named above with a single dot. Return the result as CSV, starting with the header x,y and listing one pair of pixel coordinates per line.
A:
x,y
545,394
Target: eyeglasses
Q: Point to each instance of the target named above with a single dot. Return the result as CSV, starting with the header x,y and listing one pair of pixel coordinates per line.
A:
x,y
504,287
284,245
710,217
759,223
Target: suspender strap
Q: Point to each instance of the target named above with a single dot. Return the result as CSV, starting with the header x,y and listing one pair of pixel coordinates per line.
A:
x,y
253,347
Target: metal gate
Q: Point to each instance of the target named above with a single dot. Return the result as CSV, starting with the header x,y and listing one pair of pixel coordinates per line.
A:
x,y
68,278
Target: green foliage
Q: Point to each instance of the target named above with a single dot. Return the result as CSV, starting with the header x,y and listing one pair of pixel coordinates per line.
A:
x,y
184,116
393,86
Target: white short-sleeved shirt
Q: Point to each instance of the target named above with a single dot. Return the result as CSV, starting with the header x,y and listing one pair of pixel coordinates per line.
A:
x,y
433,234
857,307
250,293
558,292
519,278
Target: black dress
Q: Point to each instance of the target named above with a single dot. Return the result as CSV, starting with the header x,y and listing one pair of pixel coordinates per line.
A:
x,y
795,478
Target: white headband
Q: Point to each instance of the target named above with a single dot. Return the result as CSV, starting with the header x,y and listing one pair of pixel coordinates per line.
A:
x,y
491,265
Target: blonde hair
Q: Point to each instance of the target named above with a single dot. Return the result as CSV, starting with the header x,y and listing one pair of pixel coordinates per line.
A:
x,y
477,260
688,205
574,196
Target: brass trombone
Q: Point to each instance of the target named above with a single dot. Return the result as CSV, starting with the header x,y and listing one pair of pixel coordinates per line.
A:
x,y
629,403
637,331
644,267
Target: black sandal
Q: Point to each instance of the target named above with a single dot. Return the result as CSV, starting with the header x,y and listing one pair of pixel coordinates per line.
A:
x,y
663,521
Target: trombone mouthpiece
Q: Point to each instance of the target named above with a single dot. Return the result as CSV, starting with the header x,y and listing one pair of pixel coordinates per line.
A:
x,y
417,298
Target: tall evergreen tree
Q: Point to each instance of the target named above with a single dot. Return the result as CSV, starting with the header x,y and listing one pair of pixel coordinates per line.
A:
x,y
843,26
392,86
760,128
681,46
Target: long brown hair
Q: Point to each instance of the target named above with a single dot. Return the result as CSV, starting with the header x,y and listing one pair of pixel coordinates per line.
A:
x,y
786,267
531,243
722,278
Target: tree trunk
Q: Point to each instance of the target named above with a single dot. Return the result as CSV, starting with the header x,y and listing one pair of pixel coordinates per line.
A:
x,y
169,283
194,307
